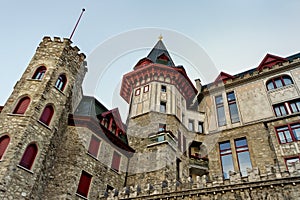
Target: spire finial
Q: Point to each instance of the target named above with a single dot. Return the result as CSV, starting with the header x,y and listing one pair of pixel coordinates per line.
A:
x,y
160,37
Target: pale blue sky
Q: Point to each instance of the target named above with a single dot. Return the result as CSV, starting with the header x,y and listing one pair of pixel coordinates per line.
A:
x,y
236,34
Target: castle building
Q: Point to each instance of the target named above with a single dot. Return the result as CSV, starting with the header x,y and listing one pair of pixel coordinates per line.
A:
x,y
235,138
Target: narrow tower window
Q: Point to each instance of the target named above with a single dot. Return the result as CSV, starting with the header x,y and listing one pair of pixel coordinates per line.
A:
x,y
84,184
39,73
61,82
29,156
47,115
163,88
22,106
4,141
163,106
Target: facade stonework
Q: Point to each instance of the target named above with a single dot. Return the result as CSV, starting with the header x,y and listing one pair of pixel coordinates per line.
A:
x,y
235,138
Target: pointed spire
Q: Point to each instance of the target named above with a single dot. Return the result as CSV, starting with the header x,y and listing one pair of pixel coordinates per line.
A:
x,y
160,54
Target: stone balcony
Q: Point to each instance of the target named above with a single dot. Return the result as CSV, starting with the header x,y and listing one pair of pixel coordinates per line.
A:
x,y
198,165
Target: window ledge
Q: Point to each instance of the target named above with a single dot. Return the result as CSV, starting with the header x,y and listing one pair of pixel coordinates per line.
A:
x,y
28,170
59,90
45,125
31,79
19,115
115,171
83,197
92,156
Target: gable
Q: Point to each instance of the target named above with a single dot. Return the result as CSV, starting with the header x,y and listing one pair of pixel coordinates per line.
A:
x,y
269,61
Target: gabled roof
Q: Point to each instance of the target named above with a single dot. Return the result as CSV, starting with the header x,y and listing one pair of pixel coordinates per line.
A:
x,y
116,117
160,50
223,76
269,61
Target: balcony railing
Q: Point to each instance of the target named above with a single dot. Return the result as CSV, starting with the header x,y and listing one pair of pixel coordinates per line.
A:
x,y
162,137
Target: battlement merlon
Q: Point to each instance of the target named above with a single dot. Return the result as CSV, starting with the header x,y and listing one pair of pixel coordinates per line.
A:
x,y
61,43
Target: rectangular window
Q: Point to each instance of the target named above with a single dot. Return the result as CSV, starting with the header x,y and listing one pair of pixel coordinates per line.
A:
x,y
291,161
138,92
226,158
295,106
146,88
191,125
116,161
162,127
220,110
163,88
288,133
94,146
234,115
84,184
280,110
200,127
243,155
163,106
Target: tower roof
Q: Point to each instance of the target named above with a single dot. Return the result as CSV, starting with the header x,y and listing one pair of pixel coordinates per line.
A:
x,y
160,52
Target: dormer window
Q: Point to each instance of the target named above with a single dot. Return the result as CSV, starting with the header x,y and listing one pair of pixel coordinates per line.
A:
x,y
163,59
279,82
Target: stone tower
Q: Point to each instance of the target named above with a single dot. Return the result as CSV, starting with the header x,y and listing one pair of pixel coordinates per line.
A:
x,y
162,119
34,118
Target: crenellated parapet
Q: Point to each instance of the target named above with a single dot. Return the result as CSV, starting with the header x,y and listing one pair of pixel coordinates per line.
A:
x,y
173,189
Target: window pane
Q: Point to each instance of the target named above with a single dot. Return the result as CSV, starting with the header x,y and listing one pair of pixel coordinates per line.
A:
x,y
219,100
278,83
230,96
270,85
225,145
240,142
287,80
281,137
221,116
296,131
283,110
288,136
234,113
244,162
227,165
293,107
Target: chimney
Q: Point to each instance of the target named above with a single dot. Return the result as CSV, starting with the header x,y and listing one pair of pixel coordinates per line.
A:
x,y
198,85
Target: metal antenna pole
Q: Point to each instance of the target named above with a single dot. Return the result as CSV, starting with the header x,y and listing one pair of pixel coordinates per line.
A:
x,y
82,11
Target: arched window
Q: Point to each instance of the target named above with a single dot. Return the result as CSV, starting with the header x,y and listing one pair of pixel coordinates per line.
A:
x,y
22,105
47,114
29,156
61,82
279,82
39,73
4,141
